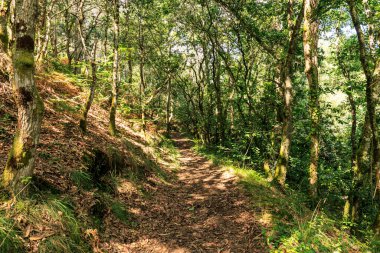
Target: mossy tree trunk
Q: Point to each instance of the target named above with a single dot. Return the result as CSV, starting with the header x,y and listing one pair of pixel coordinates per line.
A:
x,y
287,91
310,44
68,32
376,155
360,170
45,32
90,98
377,225
372,88
376,87
169,107
142,77
3,28
91,58
20,165
220,131
115,74
372,83
128,41
359,149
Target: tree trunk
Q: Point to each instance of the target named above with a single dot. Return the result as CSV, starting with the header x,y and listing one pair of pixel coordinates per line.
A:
x,y
68,28
20,164
287,87
128,42
115,74
377,225
106,39
372,83
90,58
90,99
220,129
310,43
130,70
45,40
142,92
359,150
54,41
46,31
3,29
142,77
371,35
375,101
169,107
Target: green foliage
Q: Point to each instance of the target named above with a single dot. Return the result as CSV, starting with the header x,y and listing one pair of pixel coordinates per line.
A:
x,y
82,179
287,222
121,212
218,67
165,149
10,236
5,117
24,59
321,235
61,244
61,230
65,106
109,183
61,212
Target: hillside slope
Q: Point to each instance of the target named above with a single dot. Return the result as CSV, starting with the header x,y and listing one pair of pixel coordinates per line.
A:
x,y
85,185
141,192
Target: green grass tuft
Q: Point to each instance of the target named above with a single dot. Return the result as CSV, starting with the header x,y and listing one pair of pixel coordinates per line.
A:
x,y
121,212
64,106
288,225
82,179
10,237
62,244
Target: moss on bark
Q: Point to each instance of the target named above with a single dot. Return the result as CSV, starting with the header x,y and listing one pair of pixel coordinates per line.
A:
x,y
23,59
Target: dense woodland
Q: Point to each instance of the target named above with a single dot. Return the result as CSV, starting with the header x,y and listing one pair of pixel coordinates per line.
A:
x,y
287,88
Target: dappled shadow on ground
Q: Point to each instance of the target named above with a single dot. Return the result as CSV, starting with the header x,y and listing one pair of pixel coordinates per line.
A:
x,y
61,153
203,211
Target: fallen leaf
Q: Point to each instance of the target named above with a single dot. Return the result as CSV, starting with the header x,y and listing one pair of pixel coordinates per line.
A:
x,y
40,237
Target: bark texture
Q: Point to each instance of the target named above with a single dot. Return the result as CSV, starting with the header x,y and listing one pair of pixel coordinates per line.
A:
x,y
287,91
20,164
372,84
310,44
115,74
3,28
91,58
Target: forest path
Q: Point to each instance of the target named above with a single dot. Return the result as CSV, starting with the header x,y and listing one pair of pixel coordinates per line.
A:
x,y
203,211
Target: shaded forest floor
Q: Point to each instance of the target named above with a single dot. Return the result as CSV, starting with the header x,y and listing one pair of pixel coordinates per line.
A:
x,y
204,210
132,193
141,192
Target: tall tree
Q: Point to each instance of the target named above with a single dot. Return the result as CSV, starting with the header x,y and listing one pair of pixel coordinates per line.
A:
x,y
20,163
68,31
372,88
310,44
287,94
4,10
90,57
115,71
371,84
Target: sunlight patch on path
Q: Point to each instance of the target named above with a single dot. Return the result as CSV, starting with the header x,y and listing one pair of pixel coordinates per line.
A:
x,y
203,211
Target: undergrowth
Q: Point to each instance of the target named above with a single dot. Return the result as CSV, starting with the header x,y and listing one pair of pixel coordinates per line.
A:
x,y
288,225
52,220
10,236
45,220
121,212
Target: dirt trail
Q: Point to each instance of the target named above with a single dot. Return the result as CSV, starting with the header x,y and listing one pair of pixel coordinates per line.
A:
x,y
204,211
